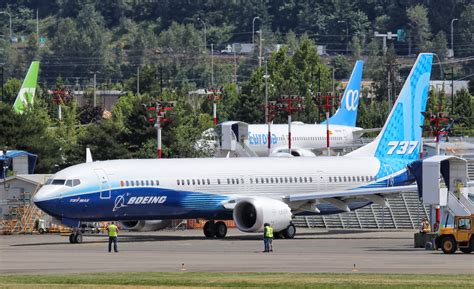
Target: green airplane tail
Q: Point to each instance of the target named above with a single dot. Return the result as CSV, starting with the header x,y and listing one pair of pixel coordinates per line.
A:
x,y
28,89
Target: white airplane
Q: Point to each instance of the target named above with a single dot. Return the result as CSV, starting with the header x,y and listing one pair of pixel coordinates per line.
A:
x,y
251,191
308,137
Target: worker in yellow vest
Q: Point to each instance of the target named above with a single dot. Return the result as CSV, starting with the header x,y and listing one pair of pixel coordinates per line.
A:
x,y
425,226
112,229
267,237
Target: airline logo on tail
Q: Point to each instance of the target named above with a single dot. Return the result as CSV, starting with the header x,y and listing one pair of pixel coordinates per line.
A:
x,y
347,112
28,89
352,100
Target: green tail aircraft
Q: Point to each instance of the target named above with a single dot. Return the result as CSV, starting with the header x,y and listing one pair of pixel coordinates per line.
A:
x,y
28,89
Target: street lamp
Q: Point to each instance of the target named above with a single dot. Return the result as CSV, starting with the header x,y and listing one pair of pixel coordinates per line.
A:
x,y
347,34
205,33
9,15
253,29
452,42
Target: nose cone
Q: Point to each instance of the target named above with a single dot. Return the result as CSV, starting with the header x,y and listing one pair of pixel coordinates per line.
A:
x,y
48,199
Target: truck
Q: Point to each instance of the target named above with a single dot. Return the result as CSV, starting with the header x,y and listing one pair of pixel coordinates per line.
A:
x,y
460,236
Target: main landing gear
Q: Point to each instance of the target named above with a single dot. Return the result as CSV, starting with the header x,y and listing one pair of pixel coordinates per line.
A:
x,y
75,237
215,229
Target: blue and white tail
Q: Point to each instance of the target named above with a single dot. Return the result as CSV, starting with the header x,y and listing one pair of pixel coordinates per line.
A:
x,y
399,142
347,112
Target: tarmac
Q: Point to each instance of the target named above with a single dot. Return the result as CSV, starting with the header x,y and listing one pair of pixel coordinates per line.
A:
x,y
175,251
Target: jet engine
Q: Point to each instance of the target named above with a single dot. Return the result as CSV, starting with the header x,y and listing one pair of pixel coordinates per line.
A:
x,y
295,152
251,213
144,226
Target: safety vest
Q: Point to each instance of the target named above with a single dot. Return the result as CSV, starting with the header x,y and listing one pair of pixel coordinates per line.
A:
x,y
112,231
426,227
268,232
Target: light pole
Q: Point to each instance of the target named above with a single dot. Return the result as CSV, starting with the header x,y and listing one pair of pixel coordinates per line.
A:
x,y
452,39
9,15
347,34
253,29
205,33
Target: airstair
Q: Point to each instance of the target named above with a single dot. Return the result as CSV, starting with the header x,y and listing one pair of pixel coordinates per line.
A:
x,y
232,136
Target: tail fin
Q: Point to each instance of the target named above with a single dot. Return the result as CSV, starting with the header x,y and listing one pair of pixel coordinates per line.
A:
x,y
28,89
347,112
400,139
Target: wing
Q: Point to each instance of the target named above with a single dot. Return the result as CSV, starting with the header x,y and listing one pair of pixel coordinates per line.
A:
x,y
307,202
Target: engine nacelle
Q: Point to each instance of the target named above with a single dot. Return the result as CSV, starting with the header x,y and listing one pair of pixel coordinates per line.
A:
x,y
251,213
145,226
295,152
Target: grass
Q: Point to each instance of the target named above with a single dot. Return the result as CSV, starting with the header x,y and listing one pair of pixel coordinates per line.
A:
x,y
235,280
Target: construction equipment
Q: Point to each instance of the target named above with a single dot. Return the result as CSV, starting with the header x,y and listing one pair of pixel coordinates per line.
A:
x,y
460,236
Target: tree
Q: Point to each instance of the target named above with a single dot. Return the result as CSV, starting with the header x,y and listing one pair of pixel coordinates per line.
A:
x,y
10,90
466,27
463,109
440,45
420,27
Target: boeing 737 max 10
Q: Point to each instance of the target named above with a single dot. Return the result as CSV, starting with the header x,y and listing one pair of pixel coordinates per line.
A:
x,y
251,191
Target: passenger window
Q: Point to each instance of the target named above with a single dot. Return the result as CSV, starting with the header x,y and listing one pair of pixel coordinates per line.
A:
x,y
177,182
267,181
291,180
143,183
305,179
218,181
262,181
203,181
256,180
296,179
157,182
242,181
286,179
194,182
281,180
276,180
132,183
228,181
198,181
301,179
310,179
208,181
146,182
271,180
127,183
251,180
188,182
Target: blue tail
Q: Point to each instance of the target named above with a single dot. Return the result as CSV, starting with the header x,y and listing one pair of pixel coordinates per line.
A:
x,y
398,144
347,112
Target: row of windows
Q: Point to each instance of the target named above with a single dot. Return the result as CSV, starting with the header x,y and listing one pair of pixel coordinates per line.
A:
x,y
237,181
141,183
351,179
317,138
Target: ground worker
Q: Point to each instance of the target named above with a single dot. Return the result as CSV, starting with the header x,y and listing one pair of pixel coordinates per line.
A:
x,y
425,226
113,231
268,237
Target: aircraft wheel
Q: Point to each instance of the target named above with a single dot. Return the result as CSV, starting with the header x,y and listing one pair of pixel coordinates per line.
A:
x,y
220,229
209,229
72,239
78,238
41,231
289,232
449,245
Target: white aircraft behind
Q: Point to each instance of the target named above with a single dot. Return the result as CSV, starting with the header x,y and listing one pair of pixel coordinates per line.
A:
x,y
305,138
251,191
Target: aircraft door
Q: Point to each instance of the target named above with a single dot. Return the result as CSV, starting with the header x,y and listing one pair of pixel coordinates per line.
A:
x,y
104,184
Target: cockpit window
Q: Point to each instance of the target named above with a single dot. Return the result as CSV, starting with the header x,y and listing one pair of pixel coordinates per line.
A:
x,y
69,183
76,182
48,182
58,182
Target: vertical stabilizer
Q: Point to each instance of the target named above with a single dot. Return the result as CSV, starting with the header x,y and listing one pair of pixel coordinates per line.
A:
x,y
28,89
399,141
347,111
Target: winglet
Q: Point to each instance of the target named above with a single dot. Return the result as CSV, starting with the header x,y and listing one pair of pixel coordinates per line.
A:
x,y
27,91
347,112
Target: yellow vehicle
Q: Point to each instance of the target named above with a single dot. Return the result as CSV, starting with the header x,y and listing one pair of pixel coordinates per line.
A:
x,y
461,236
